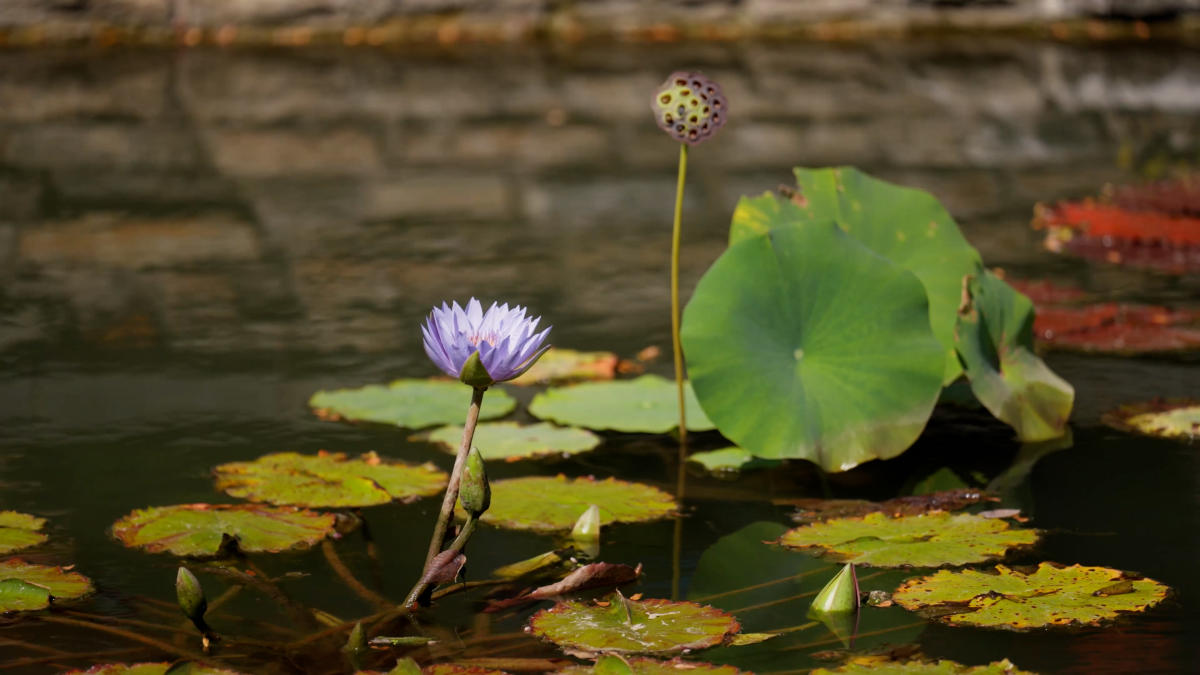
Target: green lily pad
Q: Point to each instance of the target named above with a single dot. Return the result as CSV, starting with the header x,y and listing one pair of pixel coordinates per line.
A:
x,y
805,344
406,666
197,529
19,530
645,666
731,460
328,480
617,625
926,540
994,337
905,225
151,669
882,665
647,404
510,441
546,504
558,366
25,586
1013,600
414,404
1163,418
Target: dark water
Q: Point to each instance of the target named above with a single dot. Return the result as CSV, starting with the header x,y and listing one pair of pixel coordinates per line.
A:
x,y
192,243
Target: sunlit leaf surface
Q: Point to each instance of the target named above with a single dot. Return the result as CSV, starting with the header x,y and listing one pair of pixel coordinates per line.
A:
x,y
620,626
1010,599
558,366
328,480
926,540
647,404
811,510
197,529
25,586
868,665
509,441
414,404
1164,418
19,530
548,504
648,666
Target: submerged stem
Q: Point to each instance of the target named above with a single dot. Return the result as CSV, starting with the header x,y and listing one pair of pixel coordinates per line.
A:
x,y
675,343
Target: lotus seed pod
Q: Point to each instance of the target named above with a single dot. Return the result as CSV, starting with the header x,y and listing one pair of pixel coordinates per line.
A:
x,y
190,595
689,107
475,495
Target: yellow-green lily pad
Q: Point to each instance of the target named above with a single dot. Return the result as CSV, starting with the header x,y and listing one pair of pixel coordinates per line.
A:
x,y
26,587
198,529
1050,596
647,404
551,504
1164,418
19,530
558,366
406,666
509,441
617,625
926,540
640,665
328,480
414,404
882,665
151,669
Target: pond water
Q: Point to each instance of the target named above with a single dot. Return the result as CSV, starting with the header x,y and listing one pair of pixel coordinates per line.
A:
x,y
192,243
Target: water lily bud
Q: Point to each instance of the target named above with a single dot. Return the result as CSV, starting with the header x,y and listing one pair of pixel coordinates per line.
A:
x,y
689,107
356,646
475,495
839,595
587,528
190,595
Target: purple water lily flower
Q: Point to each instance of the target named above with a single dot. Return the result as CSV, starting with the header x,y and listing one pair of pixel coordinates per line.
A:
x,y
482,348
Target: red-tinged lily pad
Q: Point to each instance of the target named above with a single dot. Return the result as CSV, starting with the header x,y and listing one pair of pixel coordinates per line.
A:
x,y
26,587
151,669
329,480
882,665
617,625
1168,241
406,666
926,540
199,529
414,404
551,504
1179,196
616,665
812,510
647,404
19,530
1044,292
560,366
1165,418
509,441
1050,596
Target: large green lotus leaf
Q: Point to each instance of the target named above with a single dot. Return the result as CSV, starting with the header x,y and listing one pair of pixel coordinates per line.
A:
x,y
197,529
882,665
1050,596
1164,418
558,366
647,404
805,344
646,666
926,540
509,441
414,404
617,625
549,504
905,225
19,530
25,586
328,480
994,338
151,669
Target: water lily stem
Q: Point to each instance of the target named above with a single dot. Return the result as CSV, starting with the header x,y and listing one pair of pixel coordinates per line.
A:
x,y
675,343
348,578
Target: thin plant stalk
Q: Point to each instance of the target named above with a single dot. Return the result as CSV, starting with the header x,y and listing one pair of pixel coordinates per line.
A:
x,y
439,530
676,346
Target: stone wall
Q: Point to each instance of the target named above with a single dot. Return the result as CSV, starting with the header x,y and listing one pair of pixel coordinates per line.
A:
x,y
320,201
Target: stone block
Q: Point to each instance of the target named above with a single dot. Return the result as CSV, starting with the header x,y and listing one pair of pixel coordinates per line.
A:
x,y
533,145
261,153
101,145
37,87
432,193
20,197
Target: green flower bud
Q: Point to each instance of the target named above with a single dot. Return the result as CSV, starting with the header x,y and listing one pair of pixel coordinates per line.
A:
x,y
839,595
475,494
190,595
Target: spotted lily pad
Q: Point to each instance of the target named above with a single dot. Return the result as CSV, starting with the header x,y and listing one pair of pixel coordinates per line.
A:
x,y
647,404
328,480
414,404
19,530
1013,600
646,666
546,504
197,529
1164,418
151,669
25,586
510,441
882,665
558,366
617,625
925,540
